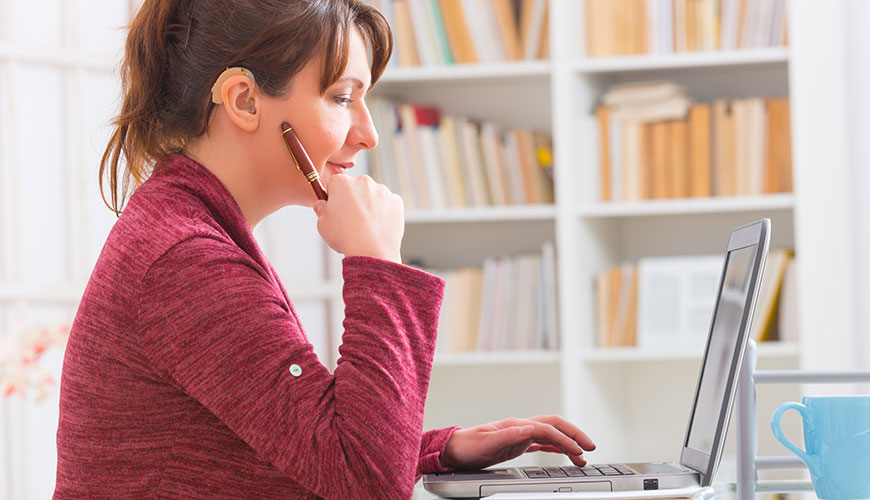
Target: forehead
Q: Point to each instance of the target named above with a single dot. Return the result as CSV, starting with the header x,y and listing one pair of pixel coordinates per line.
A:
x,y
358,64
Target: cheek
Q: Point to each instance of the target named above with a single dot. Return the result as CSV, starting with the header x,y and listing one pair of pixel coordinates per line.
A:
x,y
332,137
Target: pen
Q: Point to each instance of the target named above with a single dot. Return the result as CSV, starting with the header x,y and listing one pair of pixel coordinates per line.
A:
x,y
302,161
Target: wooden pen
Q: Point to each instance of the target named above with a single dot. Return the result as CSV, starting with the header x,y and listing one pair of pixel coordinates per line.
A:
x,y
302,161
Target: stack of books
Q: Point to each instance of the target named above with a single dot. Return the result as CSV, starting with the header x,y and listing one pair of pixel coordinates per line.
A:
x,y
616,298
437,32
437,161
621,27
509,304
655,143
668,301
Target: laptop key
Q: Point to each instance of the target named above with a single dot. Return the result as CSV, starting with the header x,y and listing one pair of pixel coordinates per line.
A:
x,y
591,471
537,475
555,471
574,471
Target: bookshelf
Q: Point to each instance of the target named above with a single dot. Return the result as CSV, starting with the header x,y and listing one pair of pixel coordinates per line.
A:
x,y
608,392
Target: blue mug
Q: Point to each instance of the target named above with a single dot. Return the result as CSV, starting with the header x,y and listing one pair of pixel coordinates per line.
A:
x,y
837,438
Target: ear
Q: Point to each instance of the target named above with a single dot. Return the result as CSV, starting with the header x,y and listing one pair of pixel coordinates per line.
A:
x,y
241,102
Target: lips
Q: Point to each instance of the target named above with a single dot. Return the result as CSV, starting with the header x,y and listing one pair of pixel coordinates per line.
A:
x,y
340,168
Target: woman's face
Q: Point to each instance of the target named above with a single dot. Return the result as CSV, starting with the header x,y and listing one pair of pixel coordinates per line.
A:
x,y
333,127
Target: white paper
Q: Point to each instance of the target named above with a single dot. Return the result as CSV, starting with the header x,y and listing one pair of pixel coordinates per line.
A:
x,y
698,493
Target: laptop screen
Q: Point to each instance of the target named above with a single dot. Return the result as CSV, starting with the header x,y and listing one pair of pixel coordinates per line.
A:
x,y
722,348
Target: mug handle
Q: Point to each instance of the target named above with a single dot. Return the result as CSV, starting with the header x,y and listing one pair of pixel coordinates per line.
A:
x,y
776,426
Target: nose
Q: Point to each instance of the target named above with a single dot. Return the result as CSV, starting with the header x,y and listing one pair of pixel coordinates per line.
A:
x,y
362,133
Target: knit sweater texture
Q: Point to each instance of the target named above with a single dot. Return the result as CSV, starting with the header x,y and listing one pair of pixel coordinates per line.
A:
x,y
188,374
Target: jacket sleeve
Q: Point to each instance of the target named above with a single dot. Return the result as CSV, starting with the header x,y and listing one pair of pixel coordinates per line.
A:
x,y
433,444
214,321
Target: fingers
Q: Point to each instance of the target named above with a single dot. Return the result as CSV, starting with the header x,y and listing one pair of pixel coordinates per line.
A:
x,y
568,429
577,460
545,433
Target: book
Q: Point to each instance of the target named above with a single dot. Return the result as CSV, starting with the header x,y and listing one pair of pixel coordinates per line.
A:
x,y
660,161
777,177
495,177
787,318
516,181
699,151
414,155
764,319
675,108
423,33
457,31
724,150
548,329
625,94
436,22
677,134
602,115
405,40
532,20
599,22
473,163
449,140
508,32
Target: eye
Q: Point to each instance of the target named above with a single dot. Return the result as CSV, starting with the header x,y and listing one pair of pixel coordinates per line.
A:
x,y
342,100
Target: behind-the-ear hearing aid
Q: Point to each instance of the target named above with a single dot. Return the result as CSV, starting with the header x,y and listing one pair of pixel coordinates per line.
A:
x,y
235,70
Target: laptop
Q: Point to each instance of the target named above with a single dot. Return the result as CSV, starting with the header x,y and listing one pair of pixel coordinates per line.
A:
x,y
708,418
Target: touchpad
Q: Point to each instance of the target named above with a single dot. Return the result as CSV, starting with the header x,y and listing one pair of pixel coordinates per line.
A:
x,y
492,489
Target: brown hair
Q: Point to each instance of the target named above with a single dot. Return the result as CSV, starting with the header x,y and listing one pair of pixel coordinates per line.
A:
x,y
176,49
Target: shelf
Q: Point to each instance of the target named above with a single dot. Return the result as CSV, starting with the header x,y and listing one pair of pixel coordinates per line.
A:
x,y
636,354
466,72
495,358
482,214
690,206
621,64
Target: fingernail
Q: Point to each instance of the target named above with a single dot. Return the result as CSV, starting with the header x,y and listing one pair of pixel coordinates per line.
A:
x,y
526,430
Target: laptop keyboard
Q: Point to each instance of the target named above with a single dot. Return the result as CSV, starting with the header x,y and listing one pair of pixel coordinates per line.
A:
x,y
574,471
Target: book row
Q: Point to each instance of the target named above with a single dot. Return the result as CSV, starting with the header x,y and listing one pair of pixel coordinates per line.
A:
x,y
674,148
668,301
437,32
621,27
508,304
437,161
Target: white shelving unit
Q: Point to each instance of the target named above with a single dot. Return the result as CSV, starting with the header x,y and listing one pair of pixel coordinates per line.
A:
x,y
635,402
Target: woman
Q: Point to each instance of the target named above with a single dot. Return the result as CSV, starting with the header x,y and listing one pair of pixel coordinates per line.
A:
x,y
187,373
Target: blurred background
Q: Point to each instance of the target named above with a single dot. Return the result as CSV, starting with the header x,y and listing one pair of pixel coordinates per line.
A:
x,y
555,157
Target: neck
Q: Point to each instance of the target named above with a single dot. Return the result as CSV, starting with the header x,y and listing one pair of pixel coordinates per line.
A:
x,y
231,167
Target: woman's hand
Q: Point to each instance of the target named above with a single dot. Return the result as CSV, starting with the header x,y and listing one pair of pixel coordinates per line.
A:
x,y
496,442
361,217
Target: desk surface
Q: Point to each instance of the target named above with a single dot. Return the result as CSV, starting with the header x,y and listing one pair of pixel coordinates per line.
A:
x,y
724,491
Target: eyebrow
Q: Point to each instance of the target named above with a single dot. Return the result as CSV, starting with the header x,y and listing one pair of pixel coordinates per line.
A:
x,y
356,81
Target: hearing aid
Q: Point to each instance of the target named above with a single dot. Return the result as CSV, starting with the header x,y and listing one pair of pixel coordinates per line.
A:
x,y
216,96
